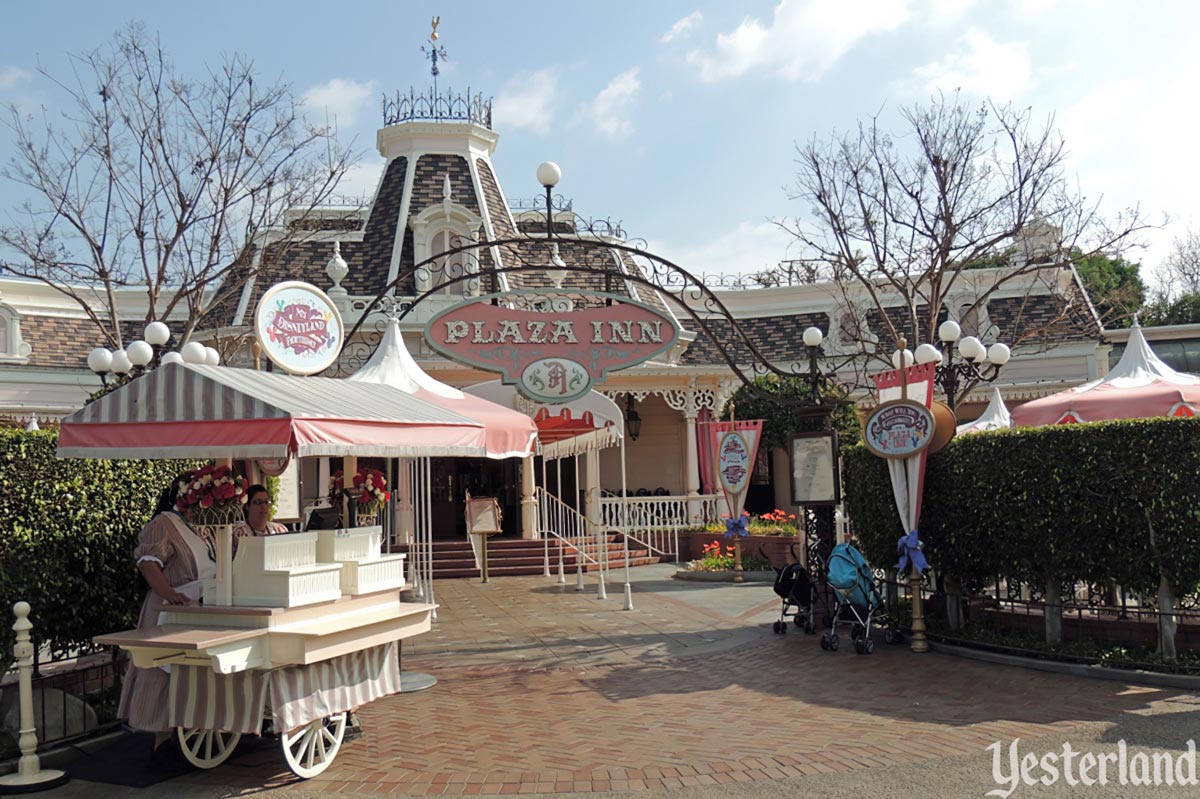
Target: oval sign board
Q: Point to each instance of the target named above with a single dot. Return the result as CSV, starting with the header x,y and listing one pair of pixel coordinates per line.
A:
x,y
551,356
733,463
298,327
898,429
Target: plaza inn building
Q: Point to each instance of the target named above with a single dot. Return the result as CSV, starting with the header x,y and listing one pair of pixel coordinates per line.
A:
x,y
438,189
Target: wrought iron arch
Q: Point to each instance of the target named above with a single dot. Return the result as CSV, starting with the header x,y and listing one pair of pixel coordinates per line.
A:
x,y
653,272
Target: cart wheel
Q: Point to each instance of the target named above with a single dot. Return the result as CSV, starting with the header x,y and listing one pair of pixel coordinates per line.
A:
x,y
206,748
868,646
834,642
310,749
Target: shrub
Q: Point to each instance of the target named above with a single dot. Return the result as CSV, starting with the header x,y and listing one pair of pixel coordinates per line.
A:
x,y
1070,503
67,533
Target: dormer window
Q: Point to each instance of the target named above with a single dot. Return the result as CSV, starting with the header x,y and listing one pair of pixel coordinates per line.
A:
x,y
446,269
13,348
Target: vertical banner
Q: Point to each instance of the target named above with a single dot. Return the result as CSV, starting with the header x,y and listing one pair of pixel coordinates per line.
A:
x,y
896,387
735,451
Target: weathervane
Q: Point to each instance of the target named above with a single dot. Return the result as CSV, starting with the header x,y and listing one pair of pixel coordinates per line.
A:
x,y
434,52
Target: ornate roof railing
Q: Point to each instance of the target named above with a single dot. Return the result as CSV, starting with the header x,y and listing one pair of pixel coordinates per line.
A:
x,y
431,105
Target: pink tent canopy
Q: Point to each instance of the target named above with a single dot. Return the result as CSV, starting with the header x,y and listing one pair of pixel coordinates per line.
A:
x,y
508,433
188,411
1139,386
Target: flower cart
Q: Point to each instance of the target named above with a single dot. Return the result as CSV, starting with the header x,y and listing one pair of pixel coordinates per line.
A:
x,y
299,628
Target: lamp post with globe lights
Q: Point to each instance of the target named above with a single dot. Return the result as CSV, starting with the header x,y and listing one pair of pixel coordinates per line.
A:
x,y
977,363
145,354
548,174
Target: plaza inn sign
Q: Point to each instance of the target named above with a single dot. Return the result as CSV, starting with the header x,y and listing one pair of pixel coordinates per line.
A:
x,y
551,356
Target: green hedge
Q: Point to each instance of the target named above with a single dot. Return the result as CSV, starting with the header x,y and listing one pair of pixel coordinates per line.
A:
x,y
67,533
1070,502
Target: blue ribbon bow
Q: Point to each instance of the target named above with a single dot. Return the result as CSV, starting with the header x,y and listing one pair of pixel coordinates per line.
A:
x,y
738,527
909,547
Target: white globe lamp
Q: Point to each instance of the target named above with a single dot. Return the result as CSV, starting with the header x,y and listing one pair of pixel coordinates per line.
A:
x,y
121,363
139,353
927,353
193,352
212,357
813,337
171,357
906,356
999,354
157,334
548,174
100,361
972,348
949,331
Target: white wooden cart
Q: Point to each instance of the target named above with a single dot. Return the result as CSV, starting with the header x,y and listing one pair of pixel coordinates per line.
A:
x,y
300,628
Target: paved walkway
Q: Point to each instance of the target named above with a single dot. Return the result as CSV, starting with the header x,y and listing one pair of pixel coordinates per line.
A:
x,y
546,690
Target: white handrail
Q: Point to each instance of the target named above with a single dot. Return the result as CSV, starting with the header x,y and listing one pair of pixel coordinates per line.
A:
x,y
558,520
655,522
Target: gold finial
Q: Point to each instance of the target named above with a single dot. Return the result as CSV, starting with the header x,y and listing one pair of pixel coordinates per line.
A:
x,y
433,36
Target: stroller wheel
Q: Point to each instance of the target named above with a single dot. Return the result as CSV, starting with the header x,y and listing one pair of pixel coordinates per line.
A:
x,y
825,641
779,628
897,637
834,642
889,637
800,621
858,645
868,646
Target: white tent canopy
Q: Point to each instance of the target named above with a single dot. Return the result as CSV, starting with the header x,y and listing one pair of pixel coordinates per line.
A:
x,y
994,417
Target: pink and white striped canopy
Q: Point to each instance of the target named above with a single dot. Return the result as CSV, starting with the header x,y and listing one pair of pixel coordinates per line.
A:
x,y
189,411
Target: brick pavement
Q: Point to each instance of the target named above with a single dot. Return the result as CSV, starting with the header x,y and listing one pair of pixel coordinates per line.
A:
x,y
543,690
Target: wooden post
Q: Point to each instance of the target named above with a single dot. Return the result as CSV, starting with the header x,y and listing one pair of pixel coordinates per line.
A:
x,y
29,776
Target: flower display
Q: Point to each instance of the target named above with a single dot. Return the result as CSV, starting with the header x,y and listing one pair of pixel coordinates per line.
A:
x,y
212,495
777,522
369,489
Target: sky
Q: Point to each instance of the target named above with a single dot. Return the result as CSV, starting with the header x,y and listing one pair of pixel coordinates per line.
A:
x,y
681,119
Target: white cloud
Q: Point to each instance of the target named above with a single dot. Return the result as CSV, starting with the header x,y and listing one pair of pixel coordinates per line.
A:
x,y
980,65
609,112
10,76
527,101
343,100
682,27
804,39
747,248
946,12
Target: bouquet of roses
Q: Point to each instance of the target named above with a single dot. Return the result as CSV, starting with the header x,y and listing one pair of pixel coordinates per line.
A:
x,y
369,491
212,495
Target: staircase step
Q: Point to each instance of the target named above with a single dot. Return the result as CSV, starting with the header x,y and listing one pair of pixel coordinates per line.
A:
x,y
507,557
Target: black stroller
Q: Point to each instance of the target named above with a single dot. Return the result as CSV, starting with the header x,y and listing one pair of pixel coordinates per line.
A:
x,y
794,586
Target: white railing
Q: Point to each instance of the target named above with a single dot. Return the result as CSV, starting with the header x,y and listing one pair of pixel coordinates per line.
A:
x,y
655,522
559,522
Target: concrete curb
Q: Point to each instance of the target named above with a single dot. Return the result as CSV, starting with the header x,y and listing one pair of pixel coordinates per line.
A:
x,y
724,577
1181,681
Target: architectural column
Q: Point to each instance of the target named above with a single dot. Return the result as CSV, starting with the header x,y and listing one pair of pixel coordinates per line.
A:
x,y
405,521
529,508
591,482
691,463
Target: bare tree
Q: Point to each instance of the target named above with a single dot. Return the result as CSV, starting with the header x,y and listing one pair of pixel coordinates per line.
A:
x,y
149,178
902,217
1180,273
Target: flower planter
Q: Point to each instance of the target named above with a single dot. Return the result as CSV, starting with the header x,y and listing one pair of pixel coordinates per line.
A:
x,y
691,545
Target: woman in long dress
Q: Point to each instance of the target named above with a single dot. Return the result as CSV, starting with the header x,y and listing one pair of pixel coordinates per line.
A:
x,y
173,558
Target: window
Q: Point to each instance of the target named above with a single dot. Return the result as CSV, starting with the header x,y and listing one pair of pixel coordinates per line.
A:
x,y
447,269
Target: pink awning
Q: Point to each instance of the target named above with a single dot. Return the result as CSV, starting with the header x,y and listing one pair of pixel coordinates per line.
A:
x,y
184,410
1138,387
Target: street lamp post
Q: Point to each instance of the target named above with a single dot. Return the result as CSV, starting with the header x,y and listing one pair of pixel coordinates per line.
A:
x,y
548,174
977,364
144,355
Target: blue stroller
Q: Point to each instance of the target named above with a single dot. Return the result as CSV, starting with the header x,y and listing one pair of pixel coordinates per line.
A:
x,y
858,602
